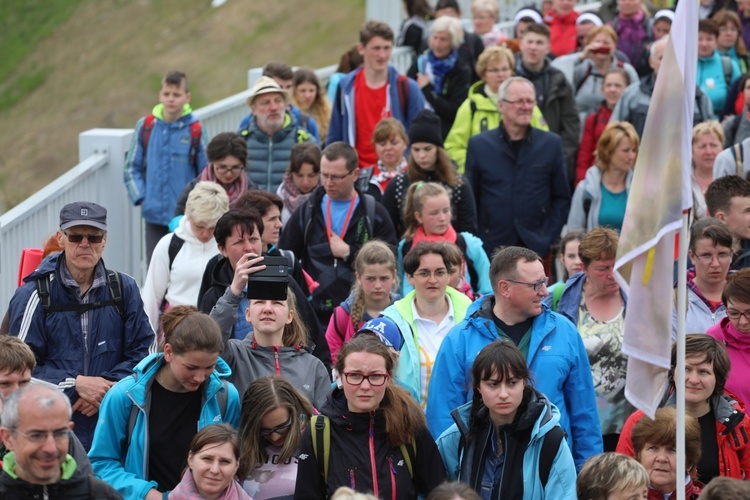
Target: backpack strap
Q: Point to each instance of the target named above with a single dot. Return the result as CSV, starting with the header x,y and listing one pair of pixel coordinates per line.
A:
x,y
409,452
321,434
42,289
403,93
552,441
369,214
726,64
222,398
737,153
175,244
114,284
146,129
583,80
196,133
556,294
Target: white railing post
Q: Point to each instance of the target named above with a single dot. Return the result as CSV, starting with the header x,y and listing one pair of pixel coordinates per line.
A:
x,y
124,250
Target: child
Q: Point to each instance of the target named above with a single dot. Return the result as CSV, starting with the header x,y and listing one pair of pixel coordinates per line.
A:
x,y
167,151
458,269
614,84
427,212
571,263
375,271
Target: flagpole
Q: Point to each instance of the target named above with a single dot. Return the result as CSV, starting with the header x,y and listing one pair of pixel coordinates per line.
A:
x,y
679,371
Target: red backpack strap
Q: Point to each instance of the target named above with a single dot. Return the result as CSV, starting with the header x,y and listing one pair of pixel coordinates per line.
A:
x,y
195,141
402,83
146,129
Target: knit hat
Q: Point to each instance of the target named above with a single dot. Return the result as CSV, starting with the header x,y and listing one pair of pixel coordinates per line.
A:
x,y
386,330
425,127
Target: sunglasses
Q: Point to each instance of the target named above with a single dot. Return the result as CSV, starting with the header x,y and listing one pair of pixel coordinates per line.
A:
x,y
91,238
281,430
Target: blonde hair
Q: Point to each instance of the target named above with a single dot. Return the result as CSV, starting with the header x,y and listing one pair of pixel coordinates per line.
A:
x,y
320,109
494,54
485,6
416,196
345,493
373,252
207,202
709,127
607,30
613,133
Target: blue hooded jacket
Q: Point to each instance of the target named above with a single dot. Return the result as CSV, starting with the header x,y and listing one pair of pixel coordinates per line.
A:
x,y
557,360
126,468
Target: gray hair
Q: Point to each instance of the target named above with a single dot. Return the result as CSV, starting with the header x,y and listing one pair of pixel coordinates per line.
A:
x,y
45,395
452,26
502,92
207,202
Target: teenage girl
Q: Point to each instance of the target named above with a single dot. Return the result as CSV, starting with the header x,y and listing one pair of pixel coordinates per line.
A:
x,y
427,213
373,291
274,414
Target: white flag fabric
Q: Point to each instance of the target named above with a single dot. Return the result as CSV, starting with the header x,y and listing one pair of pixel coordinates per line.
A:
x,y
659,193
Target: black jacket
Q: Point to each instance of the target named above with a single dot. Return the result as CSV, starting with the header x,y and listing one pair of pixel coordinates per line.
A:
x,y
77,487
350,464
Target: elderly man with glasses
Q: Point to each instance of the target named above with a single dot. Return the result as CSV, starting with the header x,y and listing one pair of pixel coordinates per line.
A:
x,y
553,348
85,324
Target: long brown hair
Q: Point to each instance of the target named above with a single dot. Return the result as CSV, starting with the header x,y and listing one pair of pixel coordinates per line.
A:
x,y
404,419
445,170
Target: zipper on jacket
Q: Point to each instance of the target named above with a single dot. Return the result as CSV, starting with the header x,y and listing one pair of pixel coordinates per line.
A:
x,y
374,470
45,493
392,471
270,158
352,480
276,358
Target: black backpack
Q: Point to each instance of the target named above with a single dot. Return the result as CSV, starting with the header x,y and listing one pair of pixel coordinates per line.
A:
x,y
114,284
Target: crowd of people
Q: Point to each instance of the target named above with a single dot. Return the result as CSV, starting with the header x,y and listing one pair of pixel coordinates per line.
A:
x,y
350,294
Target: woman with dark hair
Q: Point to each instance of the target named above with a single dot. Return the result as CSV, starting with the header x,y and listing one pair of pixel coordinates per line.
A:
x,y
152,416
274,414
724,426
655,443
729,42
212,467
377,435
498,445
429,162
300,179
596,304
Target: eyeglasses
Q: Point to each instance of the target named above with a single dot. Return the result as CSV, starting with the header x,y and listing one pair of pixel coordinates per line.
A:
x,y
505,70
375,379
735,314
536,285
708,258
224,169
333,178
91,238
425,274
39,437
521,102
281,430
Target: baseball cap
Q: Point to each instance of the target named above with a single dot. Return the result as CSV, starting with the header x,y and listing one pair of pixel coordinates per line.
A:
x,y
83,213
386,331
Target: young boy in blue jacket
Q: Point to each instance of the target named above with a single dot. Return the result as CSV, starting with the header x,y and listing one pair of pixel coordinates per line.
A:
x,y
167,151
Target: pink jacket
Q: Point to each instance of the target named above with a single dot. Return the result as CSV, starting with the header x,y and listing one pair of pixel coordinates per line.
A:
x,y
738,347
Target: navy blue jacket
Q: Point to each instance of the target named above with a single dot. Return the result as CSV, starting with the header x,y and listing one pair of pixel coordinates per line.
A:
x,y
114,345
520,201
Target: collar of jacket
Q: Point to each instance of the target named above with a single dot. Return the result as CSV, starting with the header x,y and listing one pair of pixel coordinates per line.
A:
x,y
504,133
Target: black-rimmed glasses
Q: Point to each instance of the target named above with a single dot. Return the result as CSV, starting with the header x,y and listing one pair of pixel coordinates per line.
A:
x,y
375,379
281,430
536,285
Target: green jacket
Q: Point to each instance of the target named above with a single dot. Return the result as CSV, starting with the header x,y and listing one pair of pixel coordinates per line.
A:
x,y
408,370
477,114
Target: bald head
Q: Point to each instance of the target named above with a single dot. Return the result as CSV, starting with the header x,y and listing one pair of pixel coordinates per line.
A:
x,y
656,53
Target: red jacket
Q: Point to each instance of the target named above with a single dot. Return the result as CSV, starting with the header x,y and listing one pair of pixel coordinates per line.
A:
x,y
592,130
692,491
562,28
732,436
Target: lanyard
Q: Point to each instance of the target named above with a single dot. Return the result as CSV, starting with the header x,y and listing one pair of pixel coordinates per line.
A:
x,y
329,231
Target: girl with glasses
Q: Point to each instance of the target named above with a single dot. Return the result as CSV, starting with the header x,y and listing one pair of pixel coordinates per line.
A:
x,y
427,212
274,414
428,312
734,332
506,443
377,435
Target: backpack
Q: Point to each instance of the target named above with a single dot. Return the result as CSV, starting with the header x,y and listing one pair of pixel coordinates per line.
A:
x,y
195,137
175,244
556,294
114,284
461,244
221,398
726,64
320,426
738,153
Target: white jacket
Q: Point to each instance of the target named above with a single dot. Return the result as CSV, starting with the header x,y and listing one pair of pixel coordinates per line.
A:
x,y
180,285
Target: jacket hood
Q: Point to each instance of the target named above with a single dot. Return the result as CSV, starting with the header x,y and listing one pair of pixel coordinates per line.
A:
x,y
158,112
480,98
222,274
185,231
647,84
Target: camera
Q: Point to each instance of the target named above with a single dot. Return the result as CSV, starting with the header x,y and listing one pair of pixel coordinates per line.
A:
x,y
270,283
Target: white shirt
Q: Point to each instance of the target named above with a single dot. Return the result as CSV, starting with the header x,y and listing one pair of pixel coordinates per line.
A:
x,y
429,336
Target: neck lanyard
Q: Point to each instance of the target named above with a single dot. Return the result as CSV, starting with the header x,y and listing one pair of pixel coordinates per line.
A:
x,y
329,231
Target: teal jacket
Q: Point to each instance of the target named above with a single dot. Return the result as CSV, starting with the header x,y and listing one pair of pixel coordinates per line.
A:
x,y
478,114
408,368
126,467
465,461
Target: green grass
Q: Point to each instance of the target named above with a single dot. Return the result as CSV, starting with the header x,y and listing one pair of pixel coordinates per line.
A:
x,y
20,87
24,23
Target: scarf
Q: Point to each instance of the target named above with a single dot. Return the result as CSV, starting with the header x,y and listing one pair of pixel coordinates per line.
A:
x,y
493,97
234,190
187,490
383,177
291,195
631,34
420,236
440,68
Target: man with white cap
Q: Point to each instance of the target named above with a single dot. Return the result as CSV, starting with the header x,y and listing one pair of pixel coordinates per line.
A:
x,y
270,134
85,324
